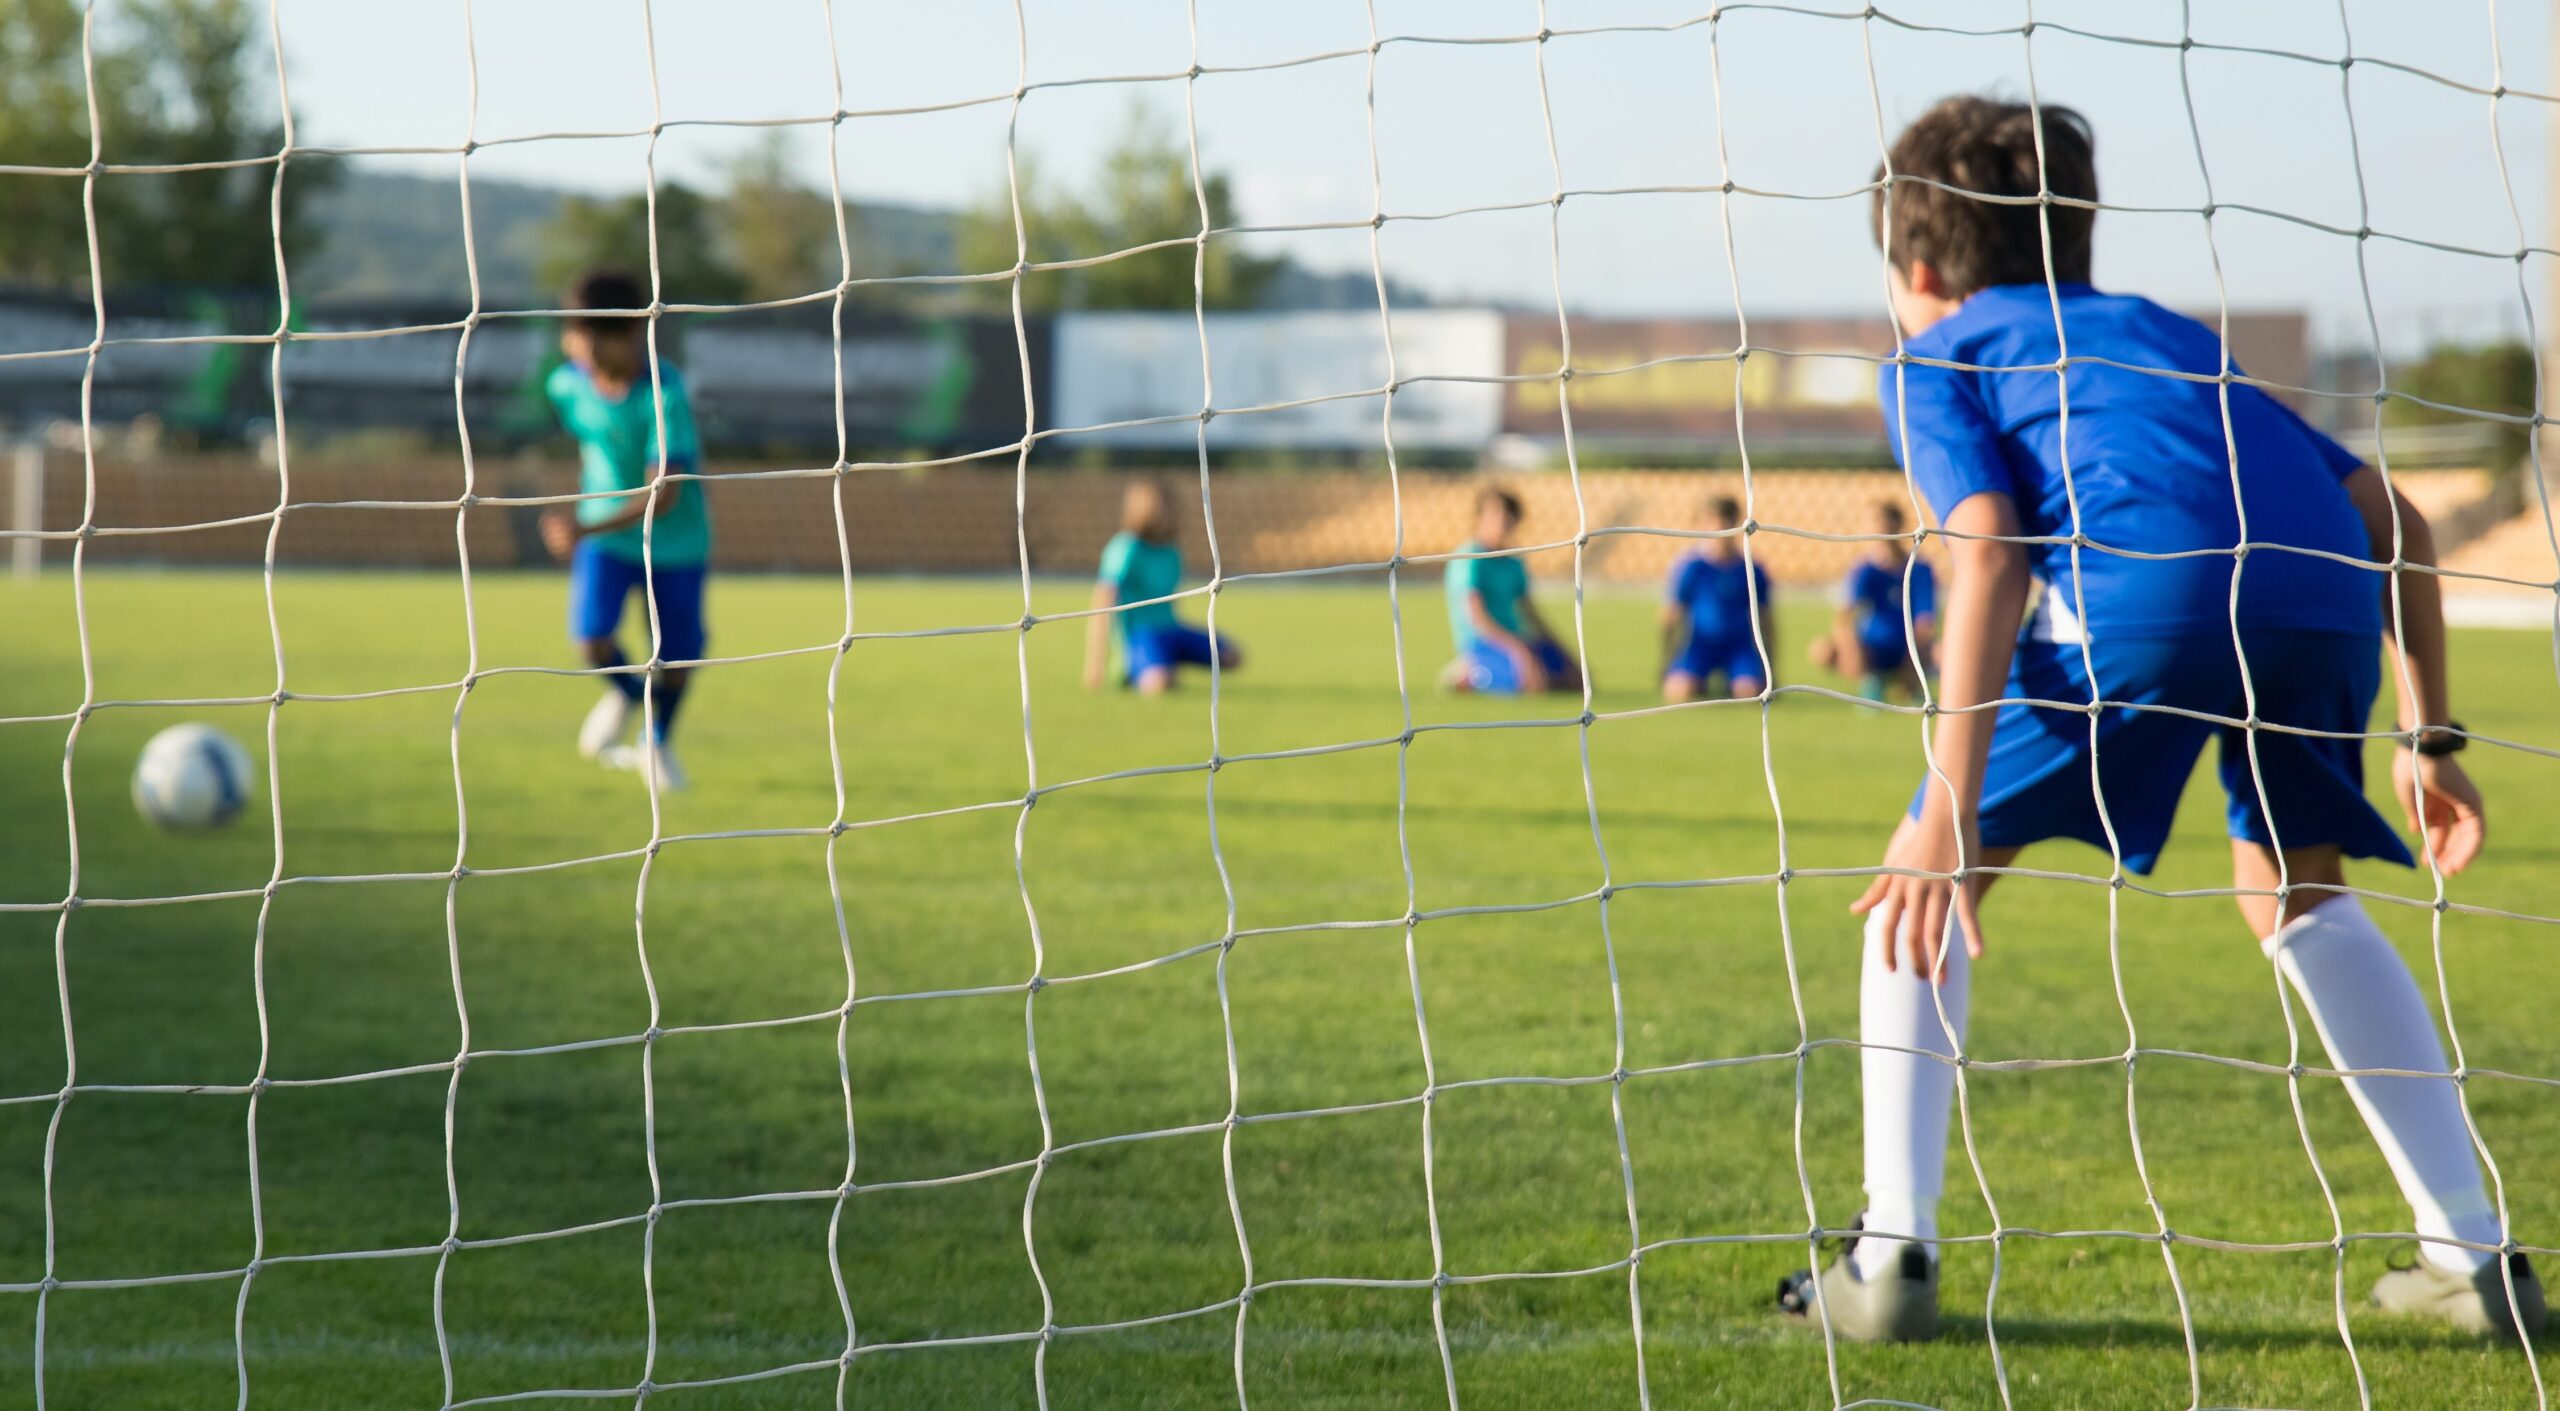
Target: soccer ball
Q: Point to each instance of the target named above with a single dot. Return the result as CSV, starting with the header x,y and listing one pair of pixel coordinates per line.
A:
x,y
191,776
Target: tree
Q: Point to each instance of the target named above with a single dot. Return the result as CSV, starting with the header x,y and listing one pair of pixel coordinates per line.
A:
x,y
778,234
179,83
2494,377
1142,195
613,231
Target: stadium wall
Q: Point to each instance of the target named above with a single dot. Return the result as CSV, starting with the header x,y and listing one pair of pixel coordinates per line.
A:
x,y
960,519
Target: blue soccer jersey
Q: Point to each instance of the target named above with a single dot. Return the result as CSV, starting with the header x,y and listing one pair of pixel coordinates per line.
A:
x,y
2146,459
1877,591
1717,595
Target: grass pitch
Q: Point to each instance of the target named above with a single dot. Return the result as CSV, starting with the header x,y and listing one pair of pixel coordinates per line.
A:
x,y
349,978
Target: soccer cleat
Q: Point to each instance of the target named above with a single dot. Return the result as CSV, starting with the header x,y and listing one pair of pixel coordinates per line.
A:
x,y
604,725
653,762
2476,1303
1902,1307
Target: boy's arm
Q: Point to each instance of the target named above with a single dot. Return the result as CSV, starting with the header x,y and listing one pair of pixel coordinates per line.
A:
x,y
1983,608
2435,792
1674,623
561,528
1097,633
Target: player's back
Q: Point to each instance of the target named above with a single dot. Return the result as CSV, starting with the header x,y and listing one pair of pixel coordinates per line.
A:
x,y
2145,462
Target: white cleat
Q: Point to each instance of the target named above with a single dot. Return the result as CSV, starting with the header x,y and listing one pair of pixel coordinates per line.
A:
x,y
653,762
604,726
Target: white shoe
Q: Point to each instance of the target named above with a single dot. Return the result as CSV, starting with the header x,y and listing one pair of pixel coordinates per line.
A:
x,y
604,725
653,762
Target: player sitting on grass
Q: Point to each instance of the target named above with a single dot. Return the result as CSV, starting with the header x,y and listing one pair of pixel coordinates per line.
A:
x,y
1141,571
2151,472
1867,639
605,397
1504,647
1706,622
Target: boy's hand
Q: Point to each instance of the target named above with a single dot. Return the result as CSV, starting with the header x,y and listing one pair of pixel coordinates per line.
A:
x,y
1533,672
559,532
1914,910
2453,822
1093,676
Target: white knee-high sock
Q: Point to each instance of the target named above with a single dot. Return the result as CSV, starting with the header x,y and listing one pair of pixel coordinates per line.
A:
x,y
1906,1096
2369,1014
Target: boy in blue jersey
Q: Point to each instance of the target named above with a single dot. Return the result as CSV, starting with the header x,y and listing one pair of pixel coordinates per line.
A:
x,y
1504,647
1141,570
1868,640
1706,621
2190,468
636,533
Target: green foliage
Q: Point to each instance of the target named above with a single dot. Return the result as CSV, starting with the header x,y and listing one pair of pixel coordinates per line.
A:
x,y
2492,377
613,231
179,83
1143,195
778,233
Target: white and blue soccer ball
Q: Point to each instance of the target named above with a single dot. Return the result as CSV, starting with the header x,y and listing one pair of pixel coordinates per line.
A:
x,y
191,776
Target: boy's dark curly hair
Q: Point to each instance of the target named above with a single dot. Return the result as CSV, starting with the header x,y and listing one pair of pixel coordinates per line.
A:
x,y
1978,145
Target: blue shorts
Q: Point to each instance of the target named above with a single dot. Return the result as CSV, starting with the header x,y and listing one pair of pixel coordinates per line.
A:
x,y
1170,645
1734,658
2038,784
600,583
1885,658
1491,670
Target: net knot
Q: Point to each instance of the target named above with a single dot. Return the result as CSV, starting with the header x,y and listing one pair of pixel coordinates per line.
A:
x,y
652,1034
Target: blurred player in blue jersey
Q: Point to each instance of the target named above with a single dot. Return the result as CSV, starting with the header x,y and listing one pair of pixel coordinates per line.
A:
x,y
1504,647
637,534
1706,621
1867,639
2134,525
1141,571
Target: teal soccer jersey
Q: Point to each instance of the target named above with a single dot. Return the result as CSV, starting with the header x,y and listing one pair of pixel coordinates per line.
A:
x,y
1502,581
1136,571
618,451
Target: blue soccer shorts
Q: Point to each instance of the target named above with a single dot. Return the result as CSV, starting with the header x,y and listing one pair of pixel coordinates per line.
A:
x,y
1736,658
1168,645
600,583
2039,785
1491,670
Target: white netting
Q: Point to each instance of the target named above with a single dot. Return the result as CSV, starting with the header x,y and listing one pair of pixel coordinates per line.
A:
x,y
1395,570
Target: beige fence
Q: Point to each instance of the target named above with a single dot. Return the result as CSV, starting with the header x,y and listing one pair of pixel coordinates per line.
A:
x,y
402,513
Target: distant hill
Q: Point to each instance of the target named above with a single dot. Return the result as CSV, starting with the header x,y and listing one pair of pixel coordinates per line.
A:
x,y
397,236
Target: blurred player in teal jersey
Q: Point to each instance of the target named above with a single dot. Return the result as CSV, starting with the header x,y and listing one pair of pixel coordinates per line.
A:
x,y
636,533
1504,647
1132,594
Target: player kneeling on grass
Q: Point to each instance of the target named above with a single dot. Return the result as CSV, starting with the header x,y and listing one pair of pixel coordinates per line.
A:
x,y
1706,622
1867,638
1141,571
2153,475
1504,647
635,533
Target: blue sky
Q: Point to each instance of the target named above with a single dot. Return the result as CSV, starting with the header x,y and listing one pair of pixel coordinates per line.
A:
x,y
1460,125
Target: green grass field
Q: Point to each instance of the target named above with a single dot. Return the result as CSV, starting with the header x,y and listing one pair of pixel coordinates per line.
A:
x,y
349,978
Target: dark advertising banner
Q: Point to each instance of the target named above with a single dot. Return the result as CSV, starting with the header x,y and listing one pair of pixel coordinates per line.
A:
x,y
764,379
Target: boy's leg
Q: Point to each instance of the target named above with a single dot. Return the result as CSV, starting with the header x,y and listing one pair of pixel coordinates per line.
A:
x,y
682,636
598,584
1909,1030
1563,672
2368,1012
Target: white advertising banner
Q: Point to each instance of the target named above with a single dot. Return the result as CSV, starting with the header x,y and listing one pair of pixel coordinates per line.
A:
x,y
1111,368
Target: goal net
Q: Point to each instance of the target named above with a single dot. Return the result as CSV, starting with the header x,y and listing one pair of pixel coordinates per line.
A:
x,y
1322,1035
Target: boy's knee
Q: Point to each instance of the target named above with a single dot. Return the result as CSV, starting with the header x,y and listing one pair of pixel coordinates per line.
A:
x,y
600,651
